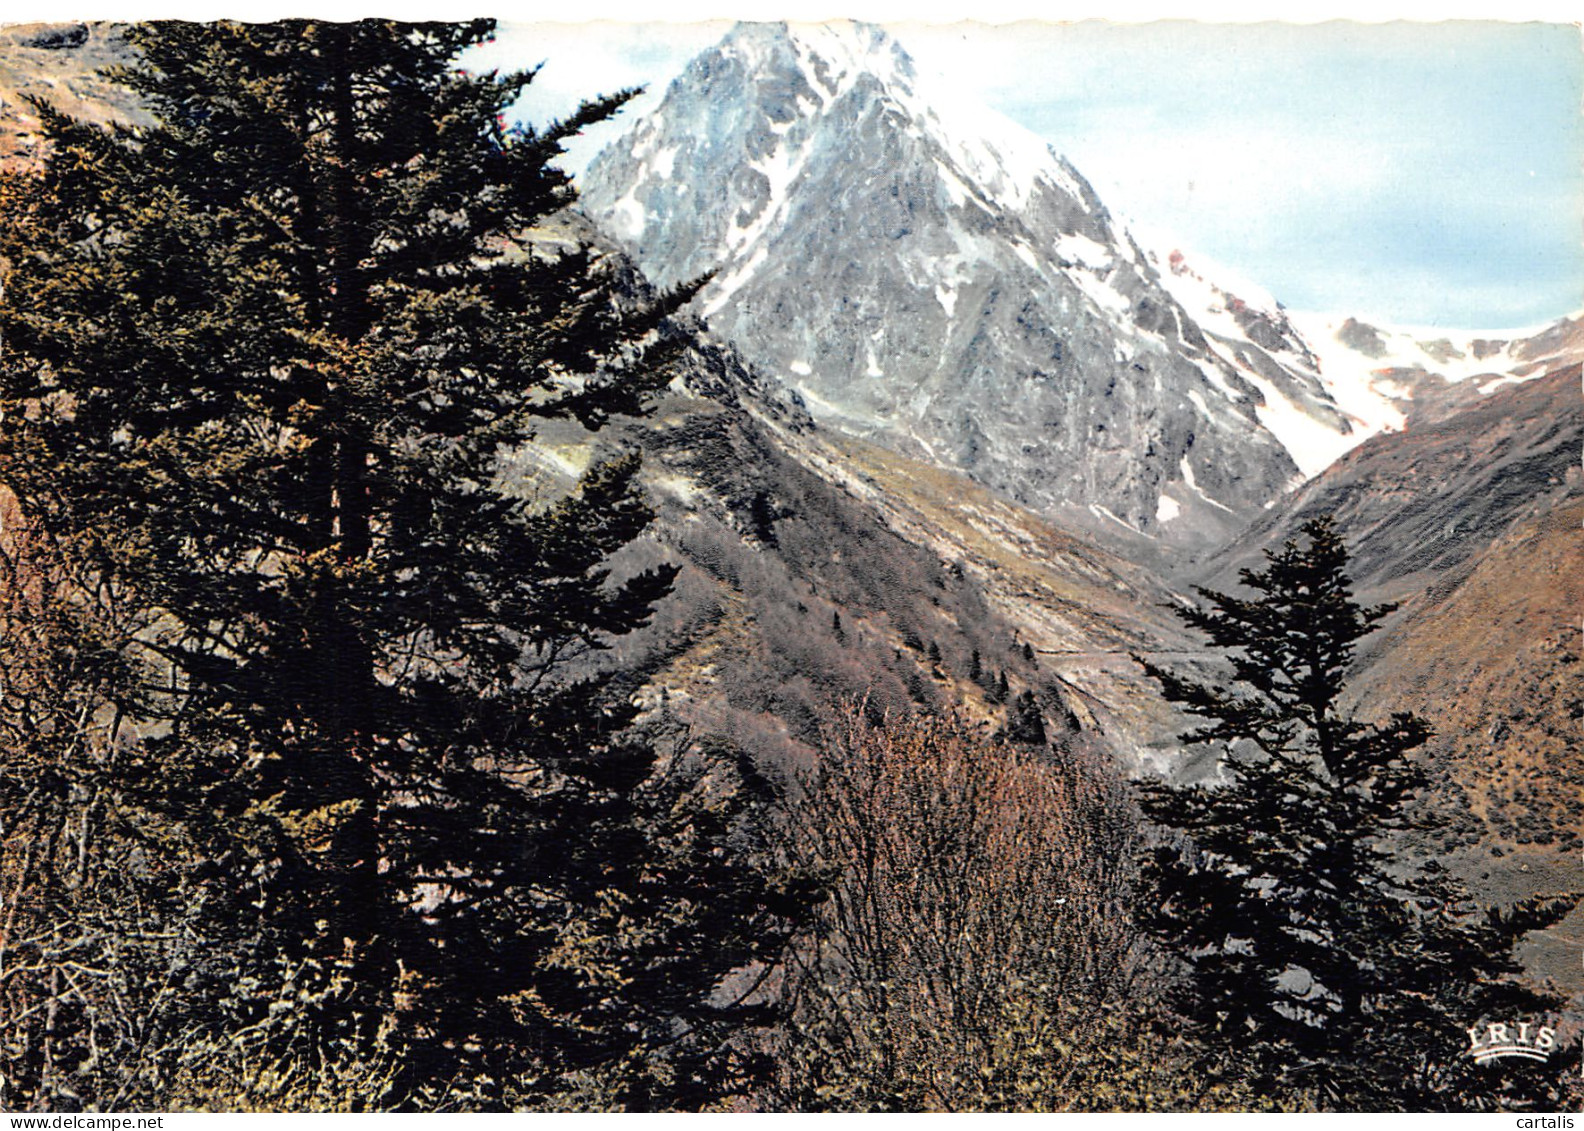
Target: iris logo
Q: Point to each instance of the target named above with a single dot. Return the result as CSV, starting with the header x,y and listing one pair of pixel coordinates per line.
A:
x,y
1521,1038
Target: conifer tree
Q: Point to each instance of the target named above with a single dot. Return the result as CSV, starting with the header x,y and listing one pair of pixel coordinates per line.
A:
x,y
1324,959
264,358
1025,721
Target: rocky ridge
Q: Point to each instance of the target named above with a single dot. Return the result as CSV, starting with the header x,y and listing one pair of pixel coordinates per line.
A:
x,y
941,282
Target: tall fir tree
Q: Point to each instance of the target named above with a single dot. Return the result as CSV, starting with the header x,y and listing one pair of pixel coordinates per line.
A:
x,y
1326,960
263,359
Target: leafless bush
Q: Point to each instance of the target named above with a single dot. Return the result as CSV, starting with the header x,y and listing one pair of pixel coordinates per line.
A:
x,y
975,950
88,943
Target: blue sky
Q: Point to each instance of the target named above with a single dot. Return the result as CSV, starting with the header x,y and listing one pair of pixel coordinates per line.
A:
x,y
1420,173
1427,174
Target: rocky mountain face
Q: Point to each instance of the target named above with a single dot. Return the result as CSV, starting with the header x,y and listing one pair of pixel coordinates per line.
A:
x,y
819,567
941,282
1418,505
1396,376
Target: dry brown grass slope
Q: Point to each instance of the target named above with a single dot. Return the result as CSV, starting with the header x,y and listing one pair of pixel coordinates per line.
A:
x,y
1494,661
1081,607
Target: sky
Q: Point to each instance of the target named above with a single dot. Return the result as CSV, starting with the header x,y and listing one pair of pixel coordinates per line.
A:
x,y
1427,174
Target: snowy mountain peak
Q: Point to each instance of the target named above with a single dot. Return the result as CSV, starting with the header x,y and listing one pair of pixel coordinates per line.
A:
x,y
816,62
768,91
835,54
930,275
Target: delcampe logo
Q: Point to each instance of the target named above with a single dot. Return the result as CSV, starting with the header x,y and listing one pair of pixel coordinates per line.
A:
x,y
1520,1038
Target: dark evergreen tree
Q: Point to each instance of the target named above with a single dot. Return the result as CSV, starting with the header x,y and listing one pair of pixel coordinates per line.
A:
x,y
1323,958
264,358
1025,721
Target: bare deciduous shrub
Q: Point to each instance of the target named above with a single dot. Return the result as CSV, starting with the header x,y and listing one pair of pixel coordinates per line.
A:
x,y
91,950
975,949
